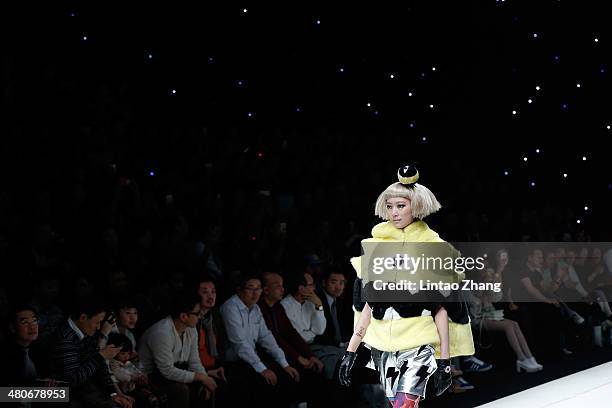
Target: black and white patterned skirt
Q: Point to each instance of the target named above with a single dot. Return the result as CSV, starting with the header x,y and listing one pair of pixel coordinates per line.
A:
x,y
404,371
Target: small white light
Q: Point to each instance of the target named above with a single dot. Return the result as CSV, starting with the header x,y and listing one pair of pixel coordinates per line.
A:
x,y
341,69
533,184
586,208
578,85
564,175
535,35
424,139
514,112
537,150
368,104
431,106
608,127
583,158
84,38
529,101
506,173
318,22
525,158
433,68
538,88
577,221
173,91
391,76
596,39
244,10
409,93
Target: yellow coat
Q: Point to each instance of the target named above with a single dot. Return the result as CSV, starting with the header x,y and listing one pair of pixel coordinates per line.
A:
x,y
411,332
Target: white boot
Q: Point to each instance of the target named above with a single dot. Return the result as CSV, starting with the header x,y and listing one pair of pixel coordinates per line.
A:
x,y
533,362
598,336
526,366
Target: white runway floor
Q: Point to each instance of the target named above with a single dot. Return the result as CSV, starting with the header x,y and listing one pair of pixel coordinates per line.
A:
x,y
590,388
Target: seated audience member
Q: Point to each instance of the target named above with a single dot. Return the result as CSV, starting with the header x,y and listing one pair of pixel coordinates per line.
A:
x,y
305,311
169,355
77,358
19,368
211,332
212,339
129,378
258,364
295,348
538,313
127,317
338,330
487,317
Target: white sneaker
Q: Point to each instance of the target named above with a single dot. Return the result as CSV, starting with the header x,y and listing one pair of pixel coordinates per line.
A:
x,y
533,362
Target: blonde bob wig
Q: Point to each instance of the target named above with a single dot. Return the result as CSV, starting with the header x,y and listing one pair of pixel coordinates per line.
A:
x,y
422,200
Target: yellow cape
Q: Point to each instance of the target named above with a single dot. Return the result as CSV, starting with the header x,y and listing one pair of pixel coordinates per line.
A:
x,y
411,332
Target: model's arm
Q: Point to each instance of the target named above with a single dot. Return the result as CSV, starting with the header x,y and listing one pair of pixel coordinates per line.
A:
x,y
441,320
360,329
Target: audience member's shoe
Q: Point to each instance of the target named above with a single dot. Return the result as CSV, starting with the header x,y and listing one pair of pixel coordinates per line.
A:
x,y
526,365
455,372
576,318
456,387
533,361
598,336
567,351
461,385
473,365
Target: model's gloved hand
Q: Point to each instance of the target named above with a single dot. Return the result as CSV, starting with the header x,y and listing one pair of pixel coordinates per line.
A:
x,y
346,365
443,377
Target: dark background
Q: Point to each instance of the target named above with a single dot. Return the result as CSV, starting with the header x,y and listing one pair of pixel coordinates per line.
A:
x,y
275,99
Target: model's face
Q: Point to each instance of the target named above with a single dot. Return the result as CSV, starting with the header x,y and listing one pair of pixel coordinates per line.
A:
x,y
208,294
250,293
128,317
334,285
399,212
274,290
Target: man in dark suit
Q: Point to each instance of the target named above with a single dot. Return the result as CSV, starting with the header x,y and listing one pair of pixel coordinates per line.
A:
x,y
338,330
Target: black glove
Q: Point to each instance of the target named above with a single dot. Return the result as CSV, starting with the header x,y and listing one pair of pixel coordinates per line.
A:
x,y
443,378
346,365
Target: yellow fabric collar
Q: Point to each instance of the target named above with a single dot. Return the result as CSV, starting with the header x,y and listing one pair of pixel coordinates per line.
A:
x,y
417,231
